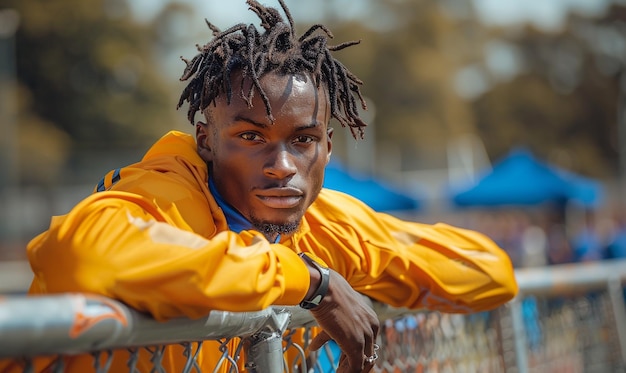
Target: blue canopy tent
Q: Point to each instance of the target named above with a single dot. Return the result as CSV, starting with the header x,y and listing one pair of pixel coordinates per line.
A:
x,y
377,195
521,180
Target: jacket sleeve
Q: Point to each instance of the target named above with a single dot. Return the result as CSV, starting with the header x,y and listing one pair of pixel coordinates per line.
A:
x,y
123,246
409,264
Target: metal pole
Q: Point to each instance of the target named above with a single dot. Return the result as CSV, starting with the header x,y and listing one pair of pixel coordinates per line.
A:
x,y
264,349
519,333
621,130
614,285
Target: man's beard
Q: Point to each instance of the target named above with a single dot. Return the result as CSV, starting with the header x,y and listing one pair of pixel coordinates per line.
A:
x,y
271,230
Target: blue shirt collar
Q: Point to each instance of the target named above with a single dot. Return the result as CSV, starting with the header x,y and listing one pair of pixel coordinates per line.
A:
x,y
235,220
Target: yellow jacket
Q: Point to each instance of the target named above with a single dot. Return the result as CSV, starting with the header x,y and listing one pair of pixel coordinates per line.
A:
x,y
156,239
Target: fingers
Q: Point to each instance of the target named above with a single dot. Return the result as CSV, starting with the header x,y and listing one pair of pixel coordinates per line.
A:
x,y
370,350
371,360
351,322
319,341
358,361
345,366
368,367
361,361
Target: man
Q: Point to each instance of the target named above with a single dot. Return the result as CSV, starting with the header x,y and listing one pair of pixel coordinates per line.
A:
x,y
244,198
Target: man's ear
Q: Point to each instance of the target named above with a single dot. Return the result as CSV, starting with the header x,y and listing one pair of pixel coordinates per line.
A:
x,y
203,141
329,142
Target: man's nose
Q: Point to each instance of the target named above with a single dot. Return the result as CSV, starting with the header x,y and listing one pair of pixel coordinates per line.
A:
x,y
280,163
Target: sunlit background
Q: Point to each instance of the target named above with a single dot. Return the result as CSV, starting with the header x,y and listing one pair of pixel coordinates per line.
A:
x,y
456,90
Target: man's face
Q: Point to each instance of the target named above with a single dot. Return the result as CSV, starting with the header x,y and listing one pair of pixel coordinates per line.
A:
x,y
270,172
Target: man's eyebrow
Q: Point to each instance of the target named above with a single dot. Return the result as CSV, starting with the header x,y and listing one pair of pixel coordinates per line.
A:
x,y
308,126
303,127
312,125
240,118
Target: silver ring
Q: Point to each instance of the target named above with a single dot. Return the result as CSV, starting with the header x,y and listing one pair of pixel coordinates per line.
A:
x,y
372,359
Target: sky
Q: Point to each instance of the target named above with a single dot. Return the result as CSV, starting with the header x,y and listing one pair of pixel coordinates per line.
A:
x,y
546,14
543,13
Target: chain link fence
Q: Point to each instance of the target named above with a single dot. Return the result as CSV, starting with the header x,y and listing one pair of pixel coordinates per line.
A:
x,y
567,318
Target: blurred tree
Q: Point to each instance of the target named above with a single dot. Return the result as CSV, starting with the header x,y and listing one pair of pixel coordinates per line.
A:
x,y
563,101
408,65
436,73
88,80
433,71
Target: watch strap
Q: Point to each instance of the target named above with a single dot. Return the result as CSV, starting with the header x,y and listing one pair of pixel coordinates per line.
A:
x,y
322,289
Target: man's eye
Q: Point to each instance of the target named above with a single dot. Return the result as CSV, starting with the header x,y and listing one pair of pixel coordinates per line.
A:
x,y
304,139
250,136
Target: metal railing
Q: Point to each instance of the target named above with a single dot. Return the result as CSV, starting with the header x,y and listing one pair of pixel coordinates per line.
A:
x,y
567,318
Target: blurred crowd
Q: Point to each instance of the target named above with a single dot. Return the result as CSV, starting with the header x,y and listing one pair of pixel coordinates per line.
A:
x,y
535,238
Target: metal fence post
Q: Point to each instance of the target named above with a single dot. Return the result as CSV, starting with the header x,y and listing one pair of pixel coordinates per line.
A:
x,y
616,295
264,349
519,334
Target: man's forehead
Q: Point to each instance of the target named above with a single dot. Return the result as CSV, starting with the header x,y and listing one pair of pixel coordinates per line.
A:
x,y
244,87
248,96
246,80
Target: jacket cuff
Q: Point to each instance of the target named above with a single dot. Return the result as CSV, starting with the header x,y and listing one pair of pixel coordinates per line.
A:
x,y
296,276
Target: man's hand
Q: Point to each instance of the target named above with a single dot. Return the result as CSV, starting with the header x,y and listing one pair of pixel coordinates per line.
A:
x,y
346,318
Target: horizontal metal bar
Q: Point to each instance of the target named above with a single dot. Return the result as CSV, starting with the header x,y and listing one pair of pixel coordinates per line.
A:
x,y
570,278
72,323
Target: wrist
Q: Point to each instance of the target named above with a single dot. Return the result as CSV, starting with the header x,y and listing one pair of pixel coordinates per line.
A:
x,y
315,280
318,287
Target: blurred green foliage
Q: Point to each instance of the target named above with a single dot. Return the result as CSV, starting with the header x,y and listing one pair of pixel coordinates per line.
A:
x,y
90,77
559,96
87,80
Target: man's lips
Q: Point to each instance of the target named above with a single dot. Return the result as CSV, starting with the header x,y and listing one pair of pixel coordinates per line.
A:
x,y
280,198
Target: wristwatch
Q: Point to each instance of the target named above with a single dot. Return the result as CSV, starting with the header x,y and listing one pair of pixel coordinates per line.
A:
x,y
321,290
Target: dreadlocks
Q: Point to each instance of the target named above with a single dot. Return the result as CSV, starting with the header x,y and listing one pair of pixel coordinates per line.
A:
x,y
276,49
